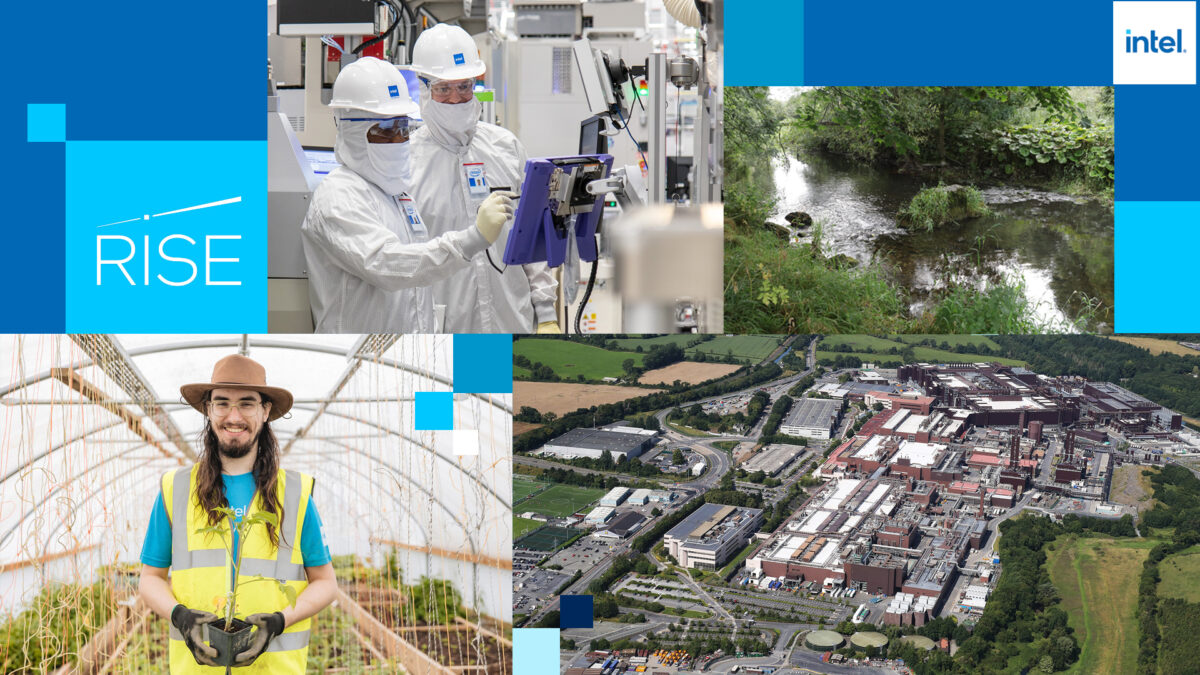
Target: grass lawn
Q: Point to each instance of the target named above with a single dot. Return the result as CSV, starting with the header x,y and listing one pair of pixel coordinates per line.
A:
x,y
523,486
737,560
688,431
519,371
568,359
860,343
753,347
646,343
1180,575
952,340
923,354
521,526
1096,578
725,445
561,500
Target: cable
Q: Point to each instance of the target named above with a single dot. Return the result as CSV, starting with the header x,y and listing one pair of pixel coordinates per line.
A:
x,y
489,257
637,97
635,143
587,293
382,36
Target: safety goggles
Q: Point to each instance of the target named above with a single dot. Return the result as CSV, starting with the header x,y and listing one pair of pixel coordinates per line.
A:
x,y
461,88
388,127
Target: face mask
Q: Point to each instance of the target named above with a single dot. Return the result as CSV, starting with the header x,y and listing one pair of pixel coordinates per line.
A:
x,y
391,168
450,123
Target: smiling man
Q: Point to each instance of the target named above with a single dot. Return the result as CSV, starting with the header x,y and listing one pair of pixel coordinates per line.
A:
x,y
239,470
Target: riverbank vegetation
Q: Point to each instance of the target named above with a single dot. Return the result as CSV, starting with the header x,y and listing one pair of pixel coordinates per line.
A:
x,y
794,279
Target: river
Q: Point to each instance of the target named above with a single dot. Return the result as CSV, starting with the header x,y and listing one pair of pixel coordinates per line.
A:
x,y
1059,246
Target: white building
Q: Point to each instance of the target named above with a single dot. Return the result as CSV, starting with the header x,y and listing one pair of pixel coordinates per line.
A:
x,y
615,496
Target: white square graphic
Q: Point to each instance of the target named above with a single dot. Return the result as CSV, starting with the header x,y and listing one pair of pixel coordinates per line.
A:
x,y
466,442
1154,42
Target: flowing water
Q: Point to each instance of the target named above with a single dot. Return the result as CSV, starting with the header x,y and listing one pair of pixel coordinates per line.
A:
x,y
1059,246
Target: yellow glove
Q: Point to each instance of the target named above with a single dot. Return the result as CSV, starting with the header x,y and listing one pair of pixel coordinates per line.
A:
x,y
549,327
493,213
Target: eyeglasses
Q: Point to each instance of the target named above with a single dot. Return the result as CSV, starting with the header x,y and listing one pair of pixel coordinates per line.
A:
x,y
223,408
461,87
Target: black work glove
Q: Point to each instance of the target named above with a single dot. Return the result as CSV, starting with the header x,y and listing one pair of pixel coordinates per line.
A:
x,y
269,627
190,624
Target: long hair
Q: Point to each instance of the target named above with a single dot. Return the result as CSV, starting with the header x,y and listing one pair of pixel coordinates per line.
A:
x,y
211,489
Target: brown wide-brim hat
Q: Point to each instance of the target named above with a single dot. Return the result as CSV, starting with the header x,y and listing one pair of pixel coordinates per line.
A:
x,y
239,372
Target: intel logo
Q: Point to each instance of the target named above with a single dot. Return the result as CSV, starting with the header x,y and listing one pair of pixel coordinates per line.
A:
x,y
1154,43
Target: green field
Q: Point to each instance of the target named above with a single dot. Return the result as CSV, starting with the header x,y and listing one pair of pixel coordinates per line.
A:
x,y
524,525
1180,574
569,359
646,343
561,500
923,354
523,486
753,347
952,340
519,371
861,343
1096,578
870,348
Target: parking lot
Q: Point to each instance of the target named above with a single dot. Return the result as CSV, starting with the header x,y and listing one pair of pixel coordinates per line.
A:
x,y
531,587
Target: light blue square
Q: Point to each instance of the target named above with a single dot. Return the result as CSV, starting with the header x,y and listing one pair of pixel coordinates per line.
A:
x,y
47,122
535,651
483,364
1155,266
434,410
190,216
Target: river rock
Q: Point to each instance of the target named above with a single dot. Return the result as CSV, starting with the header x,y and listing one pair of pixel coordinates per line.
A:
x,y
778,230
799,219
840,260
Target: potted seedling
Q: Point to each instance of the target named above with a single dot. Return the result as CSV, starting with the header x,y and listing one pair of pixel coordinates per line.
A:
x,y
231,635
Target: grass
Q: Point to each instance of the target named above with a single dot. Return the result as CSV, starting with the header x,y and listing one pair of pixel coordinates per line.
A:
x,y
1093,576
1000,308
1180,575
952,340
561,500
727,446
522,526
753,347
1157,346
861,343
569,359
938,205
524,486
924,354
632,343
688,431
737,560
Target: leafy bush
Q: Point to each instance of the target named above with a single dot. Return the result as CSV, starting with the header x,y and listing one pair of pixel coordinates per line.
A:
x,y
1057,150
939,205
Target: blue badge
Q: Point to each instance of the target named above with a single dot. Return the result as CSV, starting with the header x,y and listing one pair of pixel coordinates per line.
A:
x,y
459,60
394,91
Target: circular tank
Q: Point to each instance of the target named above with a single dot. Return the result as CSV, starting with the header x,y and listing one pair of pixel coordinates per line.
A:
x,y
869,642
823,640
918,641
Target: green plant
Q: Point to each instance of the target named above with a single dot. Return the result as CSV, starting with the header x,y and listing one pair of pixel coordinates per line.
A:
x,y
934,206
229,602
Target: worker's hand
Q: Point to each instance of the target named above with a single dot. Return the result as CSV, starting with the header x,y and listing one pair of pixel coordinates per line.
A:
x,y
493,213
549,327
269,627
190,624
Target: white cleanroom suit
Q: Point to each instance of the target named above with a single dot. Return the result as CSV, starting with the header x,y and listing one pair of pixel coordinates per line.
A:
x,y
478,298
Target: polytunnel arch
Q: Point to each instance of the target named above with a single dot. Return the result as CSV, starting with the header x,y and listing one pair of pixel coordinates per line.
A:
x,y
88,423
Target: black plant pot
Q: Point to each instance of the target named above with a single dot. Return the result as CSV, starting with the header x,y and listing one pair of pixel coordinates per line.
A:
x,y
228,644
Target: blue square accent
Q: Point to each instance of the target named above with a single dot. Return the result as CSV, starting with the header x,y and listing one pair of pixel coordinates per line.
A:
x,y
434,410
535,651
1154,266
459,60
393,91
1156,144
47,123
483,364
575,611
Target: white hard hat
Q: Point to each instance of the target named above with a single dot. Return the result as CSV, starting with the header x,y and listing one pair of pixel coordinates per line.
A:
x,y
375,86
446,52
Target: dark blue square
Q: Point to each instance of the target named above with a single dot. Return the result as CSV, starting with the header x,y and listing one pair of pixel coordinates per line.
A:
x,y
575,611
483,364
1157,141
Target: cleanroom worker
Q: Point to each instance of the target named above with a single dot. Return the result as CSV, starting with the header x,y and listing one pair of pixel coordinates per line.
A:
x,y
370,254
238,470
457,159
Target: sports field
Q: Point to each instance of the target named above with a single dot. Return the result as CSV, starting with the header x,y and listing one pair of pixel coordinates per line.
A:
x,y
1093,576
524,525
523,486
548,538
561,500
569,359
753,347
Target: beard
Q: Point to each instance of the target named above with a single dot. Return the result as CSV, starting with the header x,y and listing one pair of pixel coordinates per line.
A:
x,y
236,451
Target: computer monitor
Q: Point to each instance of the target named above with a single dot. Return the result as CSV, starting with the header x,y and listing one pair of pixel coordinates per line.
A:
x,y
325,17
321,160
591,141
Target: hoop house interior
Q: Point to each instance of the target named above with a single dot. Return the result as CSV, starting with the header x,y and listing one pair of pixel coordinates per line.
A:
x,y
421,536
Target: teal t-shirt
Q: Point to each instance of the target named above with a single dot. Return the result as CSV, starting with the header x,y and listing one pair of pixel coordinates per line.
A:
x,y
239,492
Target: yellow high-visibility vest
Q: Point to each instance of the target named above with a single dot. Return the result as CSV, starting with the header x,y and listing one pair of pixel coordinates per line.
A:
x,y
201,570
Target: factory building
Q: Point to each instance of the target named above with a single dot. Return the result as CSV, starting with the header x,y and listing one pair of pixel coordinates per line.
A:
x,y
615,496
774,458
897,401
812,417
711,535
593,442
622,526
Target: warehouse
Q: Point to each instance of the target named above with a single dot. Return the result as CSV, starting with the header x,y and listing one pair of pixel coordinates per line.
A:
x,y
773,459
812,417
593,442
